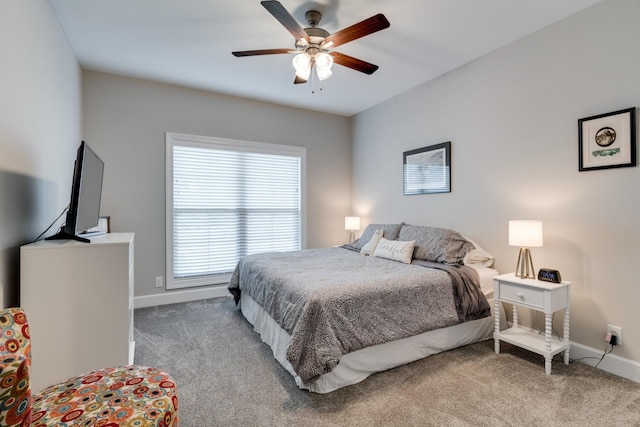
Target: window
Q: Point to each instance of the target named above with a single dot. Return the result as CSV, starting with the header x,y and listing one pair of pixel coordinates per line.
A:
x,y
227,199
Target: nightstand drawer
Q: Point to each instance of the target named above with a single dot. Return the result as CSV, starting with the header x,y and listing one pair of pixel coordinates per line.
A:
x,y
522,295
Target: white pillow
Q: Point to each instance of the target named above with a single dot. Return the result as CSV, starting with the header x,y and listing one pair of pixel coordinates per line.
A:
x,y
370,246
396,250
478,256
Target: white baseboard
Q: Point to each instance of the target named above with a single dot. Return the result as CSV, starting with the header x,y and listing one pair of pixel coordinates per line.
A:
x,y
173,297
611,363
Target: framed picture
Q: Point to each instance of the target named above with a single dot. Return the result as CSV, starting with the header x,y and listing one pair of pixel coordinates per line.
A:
x,y
428,169
104,225
608,140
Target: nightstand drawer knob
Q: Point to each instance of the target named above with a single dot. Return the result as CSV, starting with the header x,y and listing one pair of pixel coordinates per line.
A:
x,y
521,296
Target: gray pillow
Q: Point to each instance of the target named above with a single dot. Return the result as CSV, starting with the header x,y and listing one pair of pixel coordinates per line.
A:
x,y
390,232
436,244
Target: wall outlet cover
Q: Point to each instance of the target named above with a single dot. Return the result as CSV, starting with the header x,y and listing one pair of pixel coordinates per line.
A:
x,y
617,330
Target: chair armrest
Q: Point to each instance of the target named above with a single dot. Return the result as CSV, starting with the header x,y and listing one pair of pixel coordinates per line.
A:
x,y
15,339
15,392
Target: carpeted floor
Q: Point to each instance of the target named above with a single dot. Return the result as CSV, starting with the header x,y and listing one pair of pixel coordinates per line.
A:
x,y
226,376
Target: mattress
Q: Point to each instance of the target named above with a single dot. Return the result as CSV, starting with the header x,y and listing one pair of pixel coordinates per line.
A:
x,y
358,365
486,280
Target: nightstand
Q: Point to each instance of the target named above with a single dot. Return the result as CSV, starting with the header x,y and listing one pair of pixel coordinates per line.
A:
x,y
536,295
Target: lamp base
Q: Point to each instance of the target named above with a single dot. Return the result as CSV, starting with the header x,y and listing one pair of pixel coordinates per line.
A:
x,y
524,267
352,236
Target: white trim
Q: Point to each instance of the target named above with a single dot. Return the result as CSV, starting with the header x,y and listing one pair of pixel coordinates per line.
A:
x,y
174,297
611,363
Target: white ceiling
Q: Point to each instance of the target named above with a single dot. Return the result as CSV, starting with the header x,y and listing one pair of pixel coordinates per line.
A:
x,y
189,43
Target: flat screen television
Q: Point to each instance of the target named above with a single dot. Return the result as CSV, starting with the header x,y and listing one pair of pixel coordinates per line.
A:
x,y
86,193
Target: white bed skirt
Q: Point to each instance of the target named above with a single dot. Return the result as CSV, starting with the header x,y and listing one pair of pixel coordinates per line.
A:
x,y
358,365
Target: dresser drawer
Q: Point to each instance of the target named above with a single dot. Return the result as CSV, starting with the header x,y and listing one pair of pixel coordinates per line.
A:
x,y
522,295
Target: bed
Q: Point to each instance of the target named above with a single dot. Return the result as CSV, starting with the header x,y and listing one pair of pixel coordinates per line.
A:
x,y
401,292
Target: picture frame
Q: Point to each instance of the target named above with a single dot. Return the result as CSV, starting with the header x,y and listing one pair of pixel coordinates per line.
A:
x,y
427,170
607,140
104,225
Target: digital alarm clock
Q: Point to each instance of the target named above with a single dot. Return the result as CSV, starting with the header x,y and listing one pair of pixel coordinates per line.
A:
x,y
549,275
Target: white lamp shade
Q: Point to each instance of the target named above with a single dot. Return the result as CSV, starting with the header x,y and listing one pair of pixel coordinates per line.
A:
x,y
525,233
302,64
323,73
323,62
352,223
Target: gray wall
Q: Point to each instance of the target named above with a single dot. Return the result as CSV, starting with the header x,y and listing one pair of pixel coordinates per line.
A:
x,y
125,121
40,128
512,119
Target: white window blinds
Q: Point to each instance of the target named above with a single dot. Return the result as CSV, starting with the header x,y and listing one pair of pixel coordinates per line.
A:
x,y
229,199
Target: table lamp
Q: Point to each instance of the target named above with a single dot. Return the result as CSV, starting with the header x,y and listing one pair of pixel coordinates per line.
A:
x,y
525,234
352,224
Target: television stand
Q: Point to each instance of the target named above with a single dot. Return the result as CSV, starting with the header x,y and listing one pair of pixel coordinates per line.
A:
x,y
79,302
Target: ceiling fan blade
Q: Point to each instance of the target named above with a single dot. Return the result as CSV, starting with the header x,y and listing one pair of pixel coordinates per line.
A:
x,y
361,29
285,18
298,80
260,52
353,63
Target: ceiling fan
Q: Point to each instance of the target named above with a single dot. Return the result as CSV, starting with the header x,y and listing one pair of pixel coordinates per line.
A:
x,y
313,44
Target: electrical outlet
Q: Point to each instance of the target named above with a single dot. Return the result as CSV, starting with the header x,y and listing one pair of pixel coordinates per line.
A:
x,y
617,331
159,281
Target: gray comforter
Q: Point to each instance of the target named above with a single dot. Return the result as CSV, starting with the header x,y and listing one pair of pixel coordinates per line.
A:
x,y
335,301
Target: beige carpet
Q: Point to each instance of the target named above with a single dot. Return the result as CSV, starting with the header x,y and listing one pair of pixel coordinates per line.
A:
x,y
227,377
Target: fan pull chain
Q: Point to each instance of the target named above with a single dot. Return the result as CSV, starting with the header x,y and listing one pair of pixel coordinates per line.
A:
x,y
313,83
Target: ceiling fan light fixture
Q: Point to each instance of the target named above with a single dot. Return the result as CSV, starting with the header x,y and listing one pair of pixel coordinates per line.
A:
x,y
304,74
323,73
302,65
323,62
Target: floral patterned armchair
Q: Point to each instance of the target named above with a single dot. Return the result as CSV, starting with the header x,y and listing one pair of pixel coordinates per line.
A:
x,y
111,397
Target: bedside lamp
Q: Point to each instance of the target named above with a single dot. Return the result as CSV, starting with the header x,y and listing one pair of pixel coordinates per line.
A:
x,y
352,224
525,234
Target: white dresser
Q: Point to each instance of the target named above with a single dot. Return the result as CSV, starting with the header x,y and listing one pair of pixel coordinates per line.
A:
x,y
78,298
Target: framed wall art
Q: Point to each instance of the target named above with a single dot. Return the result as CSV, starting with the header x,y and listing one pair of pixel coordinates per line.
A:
x,y
608,140
427,170
104,225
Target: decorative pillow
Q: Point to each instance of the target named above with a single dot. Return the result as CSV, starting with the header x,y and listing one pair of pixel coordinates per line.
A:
x,y
370,247
390,232
395,250
478,256
436,244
